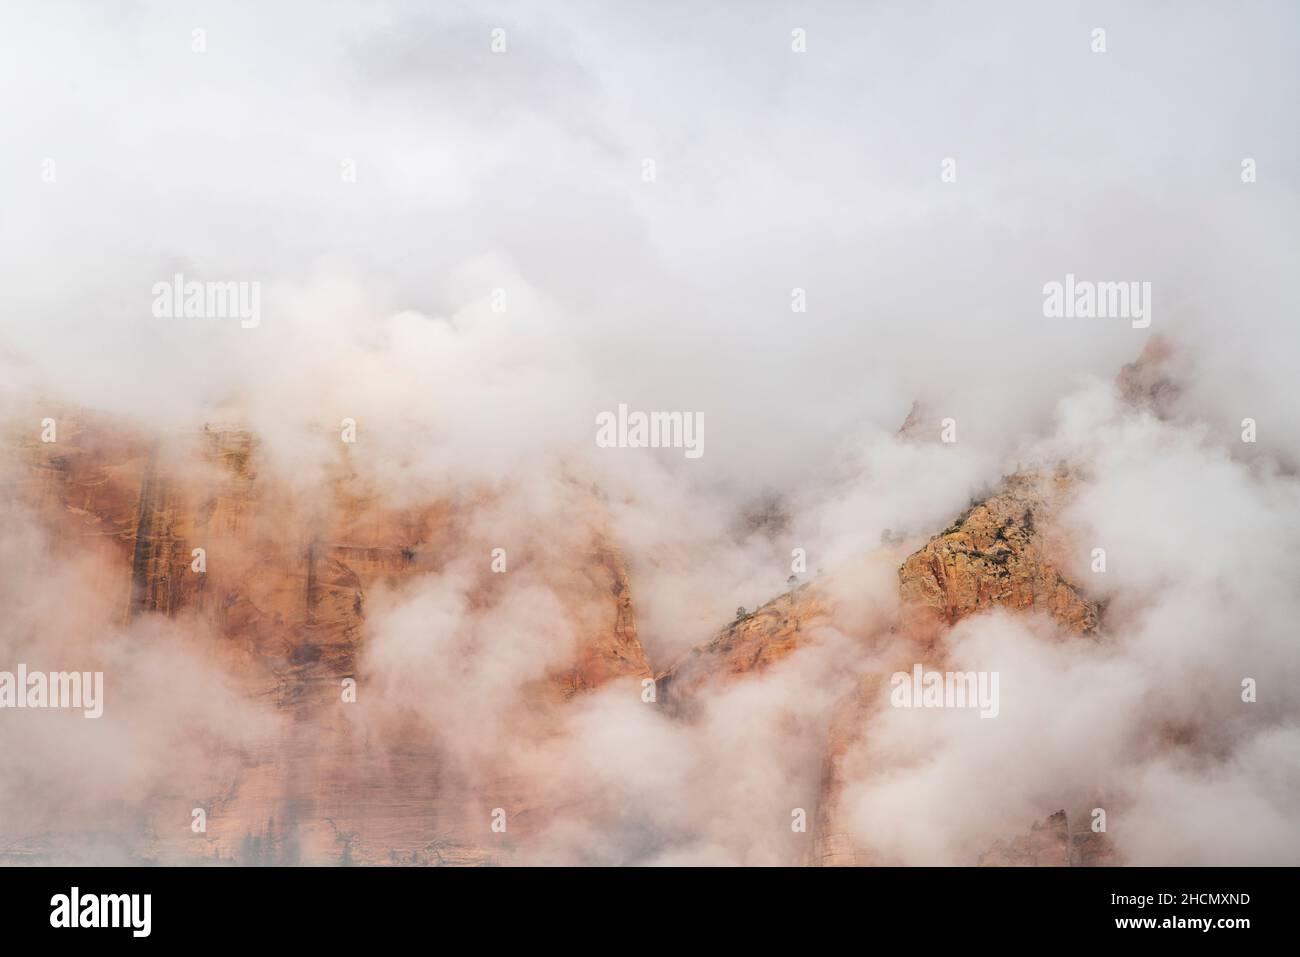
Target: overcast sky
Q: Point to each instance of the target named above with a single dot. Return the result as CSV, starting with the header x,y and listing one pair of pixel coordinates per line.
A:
x,y
522,170
127,156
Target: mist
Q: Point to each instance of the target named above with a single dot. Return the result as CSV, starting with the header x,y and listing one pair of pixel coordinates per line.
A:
x,y
458,250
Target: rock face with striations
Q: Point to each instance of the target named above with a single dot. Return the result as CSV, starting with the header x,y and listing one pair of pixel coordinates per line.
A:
x,y
286,587
288,573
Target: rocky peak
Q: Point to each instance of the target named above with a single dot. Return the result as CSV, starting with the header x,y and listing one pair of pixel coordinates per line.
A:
x,y
995,554
1147,381
751,643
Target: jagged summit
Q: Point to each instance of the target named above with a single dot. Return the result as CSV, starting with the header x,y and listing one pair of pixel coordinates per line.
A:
x,y
290,573
995,554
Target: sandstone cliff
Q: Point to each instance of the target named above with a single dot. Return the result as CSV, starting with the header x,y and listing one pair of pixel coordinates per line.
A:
x,y
289,572
285,587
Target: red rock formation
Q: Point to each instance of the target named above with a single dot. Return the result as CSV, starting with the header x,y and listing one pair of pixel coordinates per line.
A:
x,y
285,586
1047,844
993,555
750,644
1146,382
1051,843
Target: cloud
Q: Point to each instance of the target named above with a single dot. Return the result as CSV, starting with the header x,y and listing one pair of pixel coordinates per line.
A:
x,y
484,179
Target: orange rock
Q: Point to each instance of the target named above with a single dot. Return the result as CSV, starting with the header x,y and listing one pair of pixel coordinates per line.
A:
x,y
285,587
748,645
994,555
